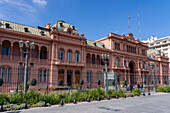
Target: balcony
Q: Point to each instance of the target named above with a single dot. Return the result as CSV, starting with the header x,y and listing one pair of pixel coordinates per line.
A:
x,y
68,63
19,58
95,65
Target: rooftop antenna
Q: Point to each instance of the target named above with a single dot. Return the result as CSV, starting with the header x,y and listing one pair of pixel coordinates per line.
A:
x,y
128,23
139,25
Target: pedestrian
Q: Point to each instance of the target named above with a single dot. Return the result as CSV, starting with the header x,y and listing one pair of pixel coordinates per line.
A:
x,y
141,87
138,86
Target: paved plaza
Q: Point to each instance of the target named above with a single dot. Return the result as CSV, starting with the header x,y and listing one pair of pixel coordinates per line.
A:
x,y
155,103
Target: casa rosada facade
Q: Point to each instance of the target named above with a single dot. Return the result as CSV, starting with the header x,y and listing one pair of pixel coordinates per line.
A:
x,y
61,53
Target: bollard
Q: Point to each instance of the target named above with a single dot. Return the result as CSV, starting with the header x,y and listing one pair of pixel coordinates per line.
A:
x,y
143,94
75,102
108,98
138,95
25,106
124,96
117,97
88,100
1,108
61,103
131,95
98,98
44,104
149,93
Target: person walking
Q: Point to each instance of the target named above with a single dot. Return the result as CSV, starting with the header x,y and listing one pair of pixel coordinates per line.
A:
x,y
141,87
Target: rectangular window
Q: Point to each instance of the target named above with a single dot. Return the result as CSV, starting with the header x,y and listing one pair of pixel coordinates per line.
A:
x,y
45,75
8,74
2,73
40,75
22,75
157,67
91,77
96,76
87,76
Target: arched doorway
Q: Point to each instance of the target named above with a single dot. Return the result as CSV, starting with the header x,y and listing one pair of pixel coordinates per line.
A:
x,y
69,77
131,66
77,76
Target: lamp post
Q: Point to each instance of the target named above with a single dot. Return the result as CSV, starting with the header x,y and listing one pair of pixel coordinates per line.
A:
x,y
26,52
19,65
105,59
153,64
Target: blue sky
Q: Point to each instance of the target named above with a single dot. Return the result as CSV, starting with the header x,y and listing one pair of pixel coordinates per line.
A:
x,y
94,18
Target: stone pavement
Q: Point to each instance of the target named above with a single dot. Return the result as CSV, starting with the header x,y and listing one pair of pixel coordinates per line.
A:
x,y
155,103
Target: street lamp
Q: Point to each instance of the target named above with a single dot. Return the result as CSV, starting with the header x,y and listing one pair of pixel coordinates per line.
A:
x,y
19,65
105,59
153,65
26,52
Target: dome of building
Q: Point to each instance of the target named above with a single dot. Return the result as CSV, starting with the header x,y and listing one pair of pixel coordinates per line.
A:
x,y
61,26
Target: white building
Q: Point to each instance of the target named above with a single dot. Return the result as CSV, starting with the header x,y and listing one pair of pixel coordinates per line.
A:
x,y
161,44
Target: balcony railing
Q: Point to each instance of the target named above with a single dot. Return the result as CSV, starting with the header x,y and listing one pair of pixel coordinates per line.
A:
x,y
19,58
95,65
70,63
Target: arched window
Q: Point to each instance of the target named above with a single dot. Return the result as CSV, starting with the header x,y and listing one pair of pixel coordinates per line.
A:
x,y
69,55
61,54
117,61
77,57
5,48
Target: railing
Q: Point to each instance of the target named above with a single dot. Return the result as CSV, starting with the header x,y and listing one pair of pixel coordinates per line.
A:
x,y
95,65
71,63
19,58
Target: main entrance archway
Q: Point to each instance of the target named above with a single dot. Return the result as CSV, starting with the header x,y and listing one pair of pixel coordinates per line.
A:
x,y
131,66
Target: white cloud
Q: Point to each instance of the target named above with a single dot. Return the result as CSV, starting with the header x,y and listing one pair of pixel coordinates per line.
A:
x,y
18,11
40,2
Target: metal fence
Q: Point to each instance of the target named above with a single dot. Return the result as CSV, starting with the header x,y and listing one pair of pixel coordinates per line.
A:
x,y
148,81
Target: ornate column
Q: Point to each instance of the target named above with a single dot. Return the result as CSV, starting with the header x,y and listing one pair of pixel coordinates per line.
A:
x,y
11,51
65,76
0,49
39,51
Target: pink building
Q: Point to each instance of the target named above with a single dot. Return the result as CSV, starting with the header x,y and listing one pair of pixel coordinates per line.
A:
x,y
72,57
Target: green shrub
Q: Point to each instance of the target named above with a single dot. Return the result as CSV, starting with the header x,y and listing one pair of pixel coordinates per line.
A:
x,y
167,88
83,96
3,98
120,93
109,93
137,91
163,88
